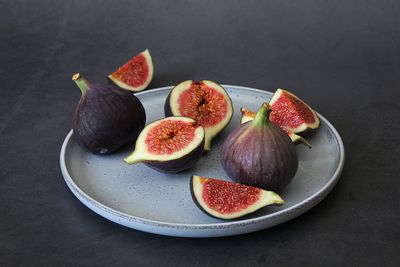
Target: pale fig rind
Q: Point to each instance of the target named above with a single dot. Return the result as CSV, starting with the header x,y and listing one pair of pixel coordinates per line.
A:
x,y
265,198
297,139
177,161
171,108
246,115
149,62
177,165
260,153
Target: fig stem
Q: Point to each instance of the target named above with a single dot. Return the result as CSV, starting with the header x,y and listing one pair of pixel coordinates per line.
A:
x,y
262,116
81,82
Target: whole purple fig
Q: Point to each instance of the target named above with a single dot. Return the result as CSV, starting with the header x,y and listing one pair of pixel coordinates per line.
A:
x,y
107,117
260,153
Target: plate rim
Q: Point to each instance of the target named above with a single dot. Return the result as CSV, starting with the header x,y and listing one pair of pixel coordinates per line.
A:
x,y
311,200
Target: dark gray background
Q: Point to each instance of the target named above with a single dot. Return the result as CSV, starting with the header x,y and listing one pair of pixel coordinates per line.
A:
x,y
342,57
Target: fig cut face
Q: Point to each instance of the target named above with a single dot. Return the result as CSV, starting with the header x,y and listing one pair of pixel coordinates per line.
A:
x,y
206,102
136,74
292,113
172,144
229,200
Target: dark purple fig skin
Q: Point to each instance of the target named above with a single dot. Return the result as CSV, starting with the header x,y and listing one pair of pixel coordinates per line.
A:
x,y
167,106
178,165
107,118
248,144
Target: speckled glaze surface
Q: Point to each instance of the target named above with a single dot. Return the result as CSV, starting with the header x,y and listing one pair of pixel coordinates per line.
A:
x,y
144,199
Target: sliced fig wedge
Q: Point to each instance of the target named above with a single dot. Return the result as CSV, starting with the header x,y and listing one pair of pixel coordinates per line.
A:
x,y
172,144
206,102
248,115
229,200
292,113
136,74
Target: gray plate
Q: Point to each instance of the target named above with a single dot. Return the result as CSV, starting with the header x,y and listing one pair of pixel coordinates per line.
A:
x,y
141,198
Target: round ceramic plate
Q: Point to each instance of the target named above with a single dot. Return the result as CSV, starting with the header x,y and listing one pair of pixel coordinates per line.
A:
x,y
144,199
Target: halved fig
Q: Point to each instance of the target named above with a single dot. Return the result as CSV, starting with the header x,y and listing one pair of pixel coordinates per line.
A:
x,y
229,200
206,102
291,112
248,115
136,74
172,144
